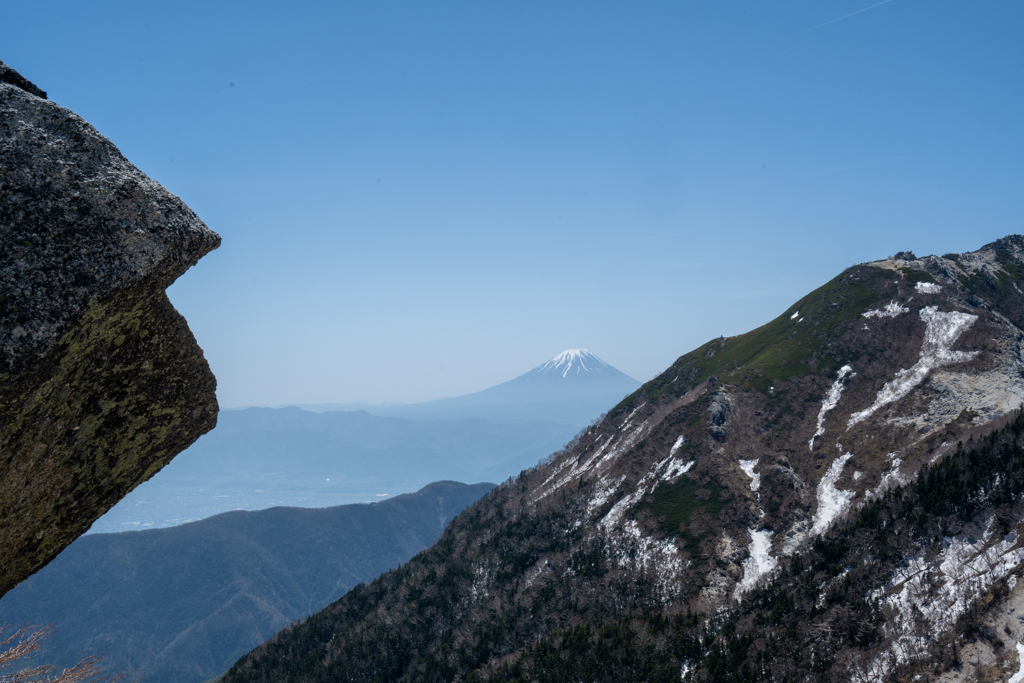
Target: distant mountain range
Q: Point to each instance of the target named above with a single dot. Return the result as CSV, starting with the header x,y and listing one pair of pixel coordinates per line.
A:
x,y
181,605
260,457
573,388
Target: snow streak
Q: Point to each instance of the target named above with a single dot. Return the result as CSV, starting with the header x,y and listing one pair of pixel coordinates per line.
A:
x,y
927,288
832,502
629,418
576,468
748,467
891,310
941,332
891,478
675,469
830,401
760,562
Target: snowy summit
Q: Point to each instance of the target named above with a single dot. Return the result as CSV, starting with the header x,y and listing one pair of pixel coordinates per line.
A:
x,y
571,363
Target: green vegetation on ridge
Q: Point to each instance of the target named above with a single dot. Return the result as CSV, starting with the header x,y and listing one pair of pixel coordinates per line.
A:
x,y
788,346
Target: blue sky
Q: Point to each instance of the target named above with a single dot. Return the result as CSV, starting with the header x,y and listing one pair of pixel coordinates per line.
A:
x,y
425,199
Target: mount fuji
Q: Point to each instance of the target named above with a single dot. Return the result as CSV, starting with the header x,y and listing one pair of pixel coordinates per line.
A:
x,y
573,365
573,388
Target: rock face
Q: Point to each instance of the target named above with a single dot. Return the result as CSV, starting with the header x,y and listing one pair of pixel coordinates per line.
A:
x,y
101,381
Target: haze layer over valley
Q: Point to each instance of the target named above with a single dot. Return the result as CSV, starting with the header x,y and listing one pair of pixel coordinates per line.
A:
x,y
262,457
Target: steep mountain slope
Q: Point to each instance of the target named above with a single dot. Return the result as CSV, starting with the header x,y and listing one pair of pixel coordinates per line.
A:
x,y
573,389
920,584
181,604
706,482
261,457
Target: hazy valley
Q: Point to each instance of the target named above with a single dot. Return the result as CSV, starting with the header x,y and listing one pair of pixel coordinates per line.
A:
x,y
261,457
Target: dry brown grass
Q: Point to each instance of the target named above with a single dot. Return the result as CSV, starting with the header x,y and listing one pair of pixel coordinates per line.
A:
x,y
26,641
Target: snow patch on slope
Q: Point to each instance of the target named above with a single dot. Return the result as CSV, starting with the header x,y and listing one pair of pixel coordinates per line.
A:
x,y
1019,676
626,422
614,515
938,592
832,502
675,469
670,469
748,468
593,463
605,490
891,310
759,564
891,478
830,402
941,332
661,556
927,288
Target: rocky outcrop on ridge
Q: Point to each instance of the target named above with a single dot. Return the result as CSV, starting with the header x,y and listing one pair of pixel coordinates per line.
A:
x,y
101,381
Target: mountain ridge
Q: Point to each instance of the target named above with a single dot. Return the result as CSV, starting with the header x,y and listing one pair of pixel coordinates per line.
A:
x,y
745,455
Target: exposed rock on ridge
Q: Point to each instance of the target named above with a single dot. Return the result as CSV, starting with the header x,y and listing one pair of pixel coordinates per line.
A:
x,y
101,381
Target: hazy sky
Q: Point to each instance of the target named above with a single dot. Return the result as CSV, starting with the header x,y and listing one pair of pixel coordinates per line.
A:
x,y
423,199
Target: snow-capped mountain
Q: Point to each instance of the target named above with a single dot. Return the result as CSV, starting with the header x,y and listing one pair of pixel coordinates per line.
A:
x,y
572,389
573,365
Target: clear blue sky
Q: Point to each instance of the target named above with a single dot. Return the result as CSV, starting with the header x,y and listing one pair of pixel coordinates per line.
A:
x,y
423,199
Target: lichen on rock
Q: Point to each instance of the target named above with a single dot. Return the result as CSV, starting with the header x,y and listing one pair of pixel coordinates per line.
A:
x,y
101,381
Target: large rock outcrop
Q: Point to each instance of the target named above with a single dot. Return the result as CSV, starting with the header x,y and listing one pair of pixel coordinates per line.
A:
x,y
101,381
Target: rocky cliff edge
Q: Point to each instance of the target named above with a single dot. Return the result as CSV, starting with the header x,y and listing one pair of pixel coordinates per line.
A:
x,y
101,381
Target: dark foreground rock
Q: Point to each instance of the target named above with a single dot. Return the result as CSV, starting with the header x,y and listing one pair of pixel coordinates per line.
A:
x,y
101,381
